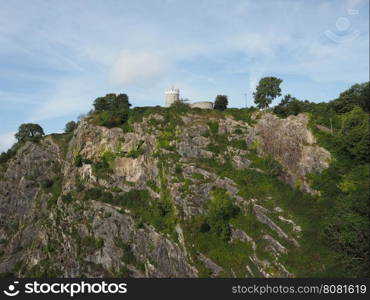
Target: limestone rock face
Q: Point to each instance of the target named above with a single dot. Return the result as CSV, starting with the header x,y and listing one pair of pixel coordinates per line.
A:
x,y
50,227
293,145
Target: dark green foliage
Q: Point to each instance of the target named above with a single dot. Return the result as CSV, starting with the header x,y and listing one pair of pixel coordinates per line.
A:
x,y
93,194
5,156
70,127
67,198
221,102
353,138
180,106
267,90
111,110
345,185
51,246
46,183
356,95
29,131
178,170
238,131
240,144
220,210
78,161
270,165
153,186
200,238
242,114
136,152
291,106
204,227
103,167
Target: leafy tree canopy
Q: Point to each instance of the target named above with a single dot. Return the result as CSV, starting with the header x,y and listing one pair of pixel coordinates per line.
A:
x,y
358,94
70,127
112,110
267,90
29,131
221,102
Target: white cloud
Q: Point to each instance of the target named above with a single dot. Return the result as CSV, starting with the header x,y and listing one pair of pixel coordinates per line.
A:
x,y
137,67
6,141
69,96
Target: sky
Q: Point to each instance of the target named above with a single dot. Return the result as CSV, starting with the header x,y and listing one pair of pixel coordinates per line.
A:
x,y
56,56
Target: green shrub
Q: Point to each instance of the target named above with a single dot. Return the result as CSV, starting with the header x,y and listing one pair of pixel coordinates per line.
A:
x,y
197,176
204,227
67,198
5,156
78,161
178,170
240,144
213,127
47,183
220,210
111,110
238,131
93,194
135,153
153,186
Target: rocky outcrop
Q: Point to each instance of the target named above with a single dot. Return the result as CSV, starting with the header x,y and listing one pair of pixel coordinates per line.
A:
x,y
50,226
293,145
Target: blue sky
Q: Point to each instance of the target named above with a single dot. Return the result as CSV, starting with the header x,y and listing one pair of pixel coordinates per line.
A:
x,y
56,57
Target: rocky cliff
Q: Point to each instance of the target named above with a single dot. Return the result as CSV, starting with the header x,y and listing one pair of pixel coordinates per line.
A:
x,y
142,201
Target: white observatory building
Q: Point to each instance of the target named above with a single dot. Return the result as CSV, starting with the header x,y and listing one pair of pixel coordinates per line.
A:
x,y
173,94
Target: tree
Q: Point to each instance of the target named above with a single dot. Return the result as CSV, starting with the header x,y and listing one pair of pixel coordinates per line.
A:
x,y
353,138
267,90
29,131
70,127
104,103
221,102
181,105
290,105
112,110
357,94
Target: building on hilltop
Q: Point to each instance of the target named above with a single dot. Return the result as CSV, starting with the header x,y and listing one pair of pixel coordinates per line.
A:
x,y
202,104
173,94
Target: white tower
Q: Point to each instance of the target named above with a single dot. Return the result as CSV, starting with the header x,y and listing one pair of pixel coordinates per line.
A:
x,y
172,95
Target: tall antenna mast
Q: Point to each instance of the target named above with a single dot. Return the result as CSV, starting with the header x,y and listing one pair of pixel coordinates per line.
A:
x,y
246,101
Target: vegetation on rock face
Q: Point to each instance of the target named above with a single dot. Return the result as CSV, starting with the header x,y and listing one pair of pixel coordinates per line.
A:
x,y
342,127
220,210
204,202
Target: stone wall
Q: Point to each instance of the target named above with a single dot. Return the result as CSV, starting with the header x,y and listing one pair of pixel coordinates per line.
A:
x,y
202,104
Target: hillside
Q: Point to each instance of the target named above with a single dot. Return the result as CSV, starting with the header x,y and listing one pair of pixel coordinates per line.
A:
x,y
173,193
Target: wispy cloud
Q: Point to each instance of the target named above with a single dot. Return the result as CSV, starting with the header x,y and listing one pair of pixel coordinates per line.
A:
x,y
56,57
137,67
